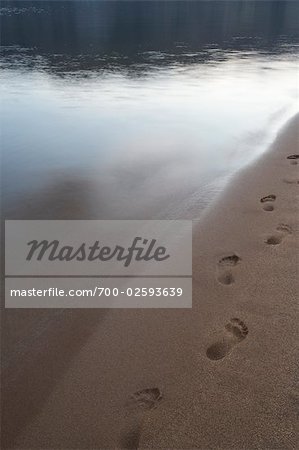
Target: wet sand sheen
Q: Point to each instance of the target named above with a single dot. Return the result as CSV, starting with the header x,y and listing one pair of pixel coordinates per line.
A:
x,y
217,376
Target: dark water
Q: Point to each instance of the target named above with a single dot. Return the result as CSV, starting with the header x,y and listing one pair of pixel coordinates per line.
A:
x,y
139,109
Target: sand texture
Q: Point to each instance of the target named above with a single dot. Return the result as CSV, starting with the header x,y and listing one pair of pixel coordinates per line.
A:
x,y
219,376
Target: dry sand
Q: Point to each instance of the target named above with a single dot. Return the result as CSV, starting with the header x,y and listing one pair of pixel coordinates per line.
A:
x,y
219,376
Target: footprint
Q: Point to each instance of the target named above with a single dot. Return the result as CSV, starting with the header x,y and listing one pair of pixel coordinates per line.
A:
x,y
267,201
230,260
293,159
225,275
146,398
283,230
138,404
234,332
289,181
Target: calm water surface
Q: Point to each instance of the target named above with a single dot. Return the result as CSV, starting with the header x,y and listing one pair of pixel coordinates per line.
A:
x,y
139,110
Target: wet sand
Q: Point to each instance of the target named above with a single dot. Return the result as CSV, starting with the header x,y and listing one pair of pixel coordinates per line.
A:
x,y
221,375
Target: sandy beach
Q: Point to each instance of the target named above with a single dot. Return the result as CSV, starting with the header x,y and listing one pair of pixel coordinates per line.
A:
x,y
241,393
219,376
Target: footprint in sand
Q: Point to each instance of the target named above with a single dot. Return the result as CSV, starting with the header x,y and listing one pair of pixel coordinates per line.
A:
x,y
234,332
284,228
139,403
290,181
293,158
268,202
282,231
225,275
146,398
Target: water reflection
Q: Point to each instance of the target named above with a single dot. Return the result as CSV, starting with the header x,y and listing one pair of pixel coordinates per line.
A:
x,y
137,109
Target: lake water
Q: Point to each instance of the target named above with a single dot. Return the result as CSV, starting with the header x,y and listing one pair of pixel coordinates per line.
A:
x,y
139,110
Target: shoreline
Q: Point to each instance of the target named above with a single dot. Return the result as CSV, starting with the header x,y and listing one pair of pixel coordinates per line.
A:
x,y
224,370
